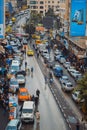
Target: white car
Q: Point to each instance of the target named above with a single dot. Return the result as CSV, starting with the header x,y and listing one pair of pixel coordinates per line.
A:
x,y
76,74
69,69
62,60
13,85
76,98
64,79
66,65
57,52
67,86
20,79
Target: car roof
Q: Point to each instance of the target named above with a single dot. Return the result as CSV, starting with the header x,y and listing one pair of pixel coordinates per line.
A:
x,y
23,90
13,122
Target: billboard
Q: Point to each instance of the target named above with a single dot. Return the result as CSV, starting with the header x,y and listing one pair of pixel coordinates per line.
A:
x,y
1,18
78,18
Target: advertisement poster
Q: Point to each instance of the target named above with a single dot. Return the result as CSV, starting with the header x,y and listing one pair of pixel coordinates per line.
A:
x,y
1,18
78,18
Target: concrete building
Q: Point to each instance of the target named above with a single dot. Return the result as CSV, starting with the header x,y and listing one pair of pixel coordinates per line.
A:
x,y
42,6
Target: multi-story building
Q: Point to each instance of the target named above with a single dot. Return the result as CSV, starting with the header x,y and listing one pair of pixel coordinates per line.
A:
x,y
13,2
42,6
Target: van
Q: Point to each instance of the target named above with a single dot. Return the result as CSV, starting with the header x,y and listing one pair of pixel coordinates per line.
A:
x,y
14,124
28,109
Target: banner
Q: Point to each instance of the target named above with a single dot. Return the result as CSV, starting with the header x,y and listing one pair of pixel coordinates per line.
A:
x,y
1,18
78,18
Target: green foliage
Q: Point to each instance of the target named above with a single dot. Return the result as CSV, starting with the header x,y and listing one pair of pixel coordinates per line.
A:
x,y
82,87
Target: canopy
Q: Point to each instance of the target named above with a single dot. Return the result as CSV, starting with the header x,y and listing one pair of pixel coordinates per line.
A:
x,y
39,28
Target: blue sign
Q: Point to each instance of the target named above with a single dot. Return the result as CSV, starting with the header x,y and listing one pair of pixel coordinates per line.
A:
x,y
1,18
78,18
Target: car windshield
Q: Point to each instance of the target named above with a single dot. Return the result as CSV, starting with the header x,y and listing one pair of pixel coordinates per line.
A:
x,y
14,82
69,85
20,77
23,93
27,110
11,128
16,68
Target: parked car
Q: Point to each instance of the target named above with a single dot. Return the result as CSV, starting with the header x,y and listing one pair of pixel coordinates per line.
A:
x,y
20,79
64,79
50,64
58,71
66,65
76,97
23,94
57,57
13,85
76,74
57,52
67,86
14,124
62,60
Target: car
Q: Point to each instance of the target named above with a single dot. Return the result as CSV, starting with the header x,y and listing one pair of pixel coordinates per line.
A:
x,y
57,52
20,79
70,68
76,97
13,85
30,52
64,79
66,64
23,72
44,52
62,60
57,57
67,86
50,64
23,94
14,124
76,74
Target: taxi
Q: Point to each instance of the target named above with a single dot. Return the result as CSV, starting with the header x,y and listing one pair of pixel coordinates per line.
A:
x,y
30,52
38,41
35,36
23,94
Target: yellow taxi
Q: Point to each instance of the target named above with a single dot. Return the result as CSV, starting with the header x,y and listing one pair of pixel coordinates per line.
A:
x,y
30,52
23,94
38,41
35,36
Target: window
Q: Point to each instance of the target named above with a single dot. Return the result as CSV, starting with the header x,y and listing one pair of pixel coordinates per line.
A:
x,y
41,7
48,1
41,2
52,1
41,12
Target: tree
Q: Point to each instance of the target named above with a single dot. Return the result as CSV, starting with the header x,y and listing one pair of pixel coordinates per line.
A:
x,y
50,12
82,87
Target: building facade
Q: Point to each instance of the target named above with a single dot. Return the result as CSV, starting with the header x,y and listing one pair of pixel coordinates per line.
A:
x,y
42,6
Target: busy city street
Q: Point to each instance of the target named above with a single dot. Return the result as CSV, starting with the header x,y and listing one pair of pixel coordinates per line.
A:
x,y
43,65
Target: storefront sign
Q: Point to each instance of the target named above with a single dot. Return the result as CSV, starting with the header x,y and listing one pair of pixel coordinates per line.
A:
x,y
78,18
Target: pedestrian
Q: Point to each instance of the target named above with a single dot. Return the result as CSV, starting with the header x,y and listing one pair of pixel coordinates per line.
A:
x,y
25,64
77,126
33,98
36,101
38,92
45,78
32,71
38,116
